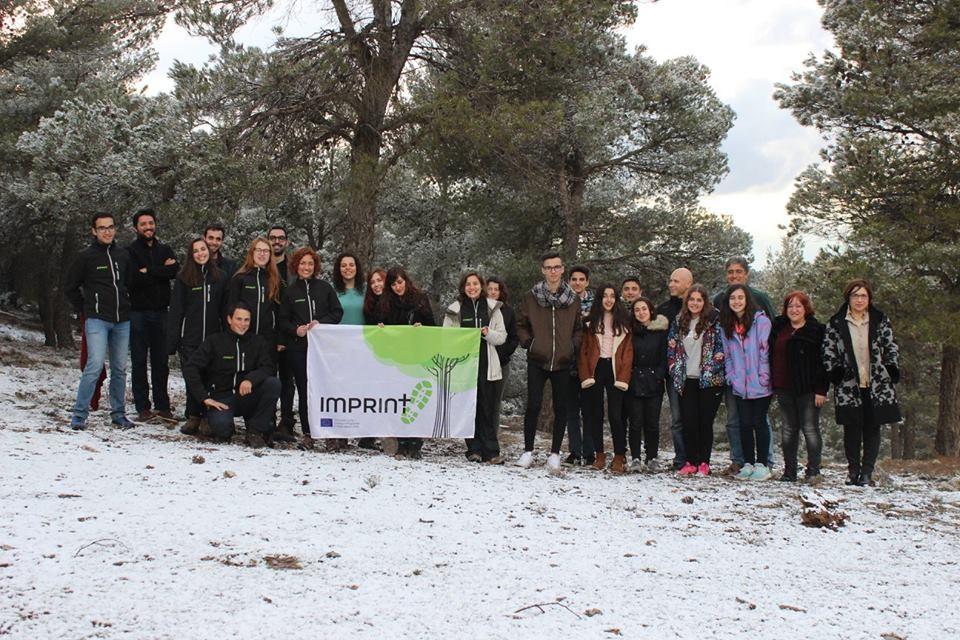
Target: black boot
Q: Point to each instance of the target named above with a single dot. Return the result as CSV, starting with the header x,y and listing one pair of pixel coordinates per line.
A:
x,y
865,479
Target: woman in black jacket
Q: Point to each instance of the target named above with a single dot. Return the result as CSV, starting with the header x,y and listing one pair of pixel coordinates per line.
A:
x,y
306,303
195,313
649,331
497,290
371,315
799,381
402,303
257,284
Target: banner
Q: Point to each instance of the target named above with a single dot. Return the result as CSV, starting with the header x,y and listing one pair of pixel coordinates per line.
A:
x,y
401,381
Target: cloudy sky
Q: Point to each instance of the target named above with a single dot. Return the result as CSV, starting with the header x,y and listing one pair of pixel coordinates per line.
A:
x,y
749,45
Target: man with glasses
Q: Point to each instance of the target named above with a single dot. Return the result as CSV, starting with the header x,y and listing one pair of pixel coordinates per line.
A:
x,y
97,288
278,243
277,236
549,328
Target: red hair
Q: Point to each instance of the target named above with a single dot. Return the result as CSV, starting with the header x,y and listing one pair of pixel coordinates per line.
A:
x,y
804,300
299,255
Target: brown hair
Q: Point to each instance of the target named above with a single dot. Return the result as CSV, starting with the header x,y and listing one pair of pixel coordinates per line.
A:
x,y
462,287
853,285
273,276
300,254
191,273
803,298
683,320
635,325
729,319
370,298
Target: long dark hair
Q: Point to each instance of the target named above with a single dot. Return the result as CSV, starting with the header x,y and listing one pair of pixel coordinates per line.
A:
x,y
191,274
683,320
635,325
338,282
595,317
729,320
412,296
504,292
462,287
370,299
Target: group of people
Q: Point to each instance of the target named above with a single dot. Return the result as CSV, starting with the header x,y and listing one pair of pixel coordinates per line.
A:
x,y
240,330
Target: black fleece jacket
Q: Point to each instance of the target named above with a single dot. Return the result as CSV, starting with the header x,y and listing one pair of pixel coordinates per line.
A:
x,y
150,291
97,283
305,301
195,312
224,360
251,288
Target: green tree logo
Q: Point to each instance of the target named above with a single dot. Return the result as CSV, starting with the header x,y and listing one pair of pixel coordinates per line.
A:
x,y
437,351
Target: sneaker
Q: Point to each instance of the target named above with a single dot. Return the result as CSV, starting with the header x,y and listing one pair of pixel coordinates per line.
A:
x,y
525,460
495,460
760,472
77,424
653,466
474,457
732,470
687,469
572,460
589,459
553,464
635,466
703,469
191,427
122,423
745,472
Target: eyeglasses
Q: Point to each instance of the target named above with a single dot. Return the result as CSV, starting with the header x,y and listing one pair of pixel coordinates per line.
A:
x,y
261,250
110,228
556,267
276,238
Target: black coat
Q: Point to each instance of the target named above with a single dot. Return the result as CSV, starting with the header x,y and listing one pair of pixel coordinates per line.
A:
x,y
804,355
251,288
305,301
399,311
505,350
97,283
671,308
195,312
224,360
150,291
649,359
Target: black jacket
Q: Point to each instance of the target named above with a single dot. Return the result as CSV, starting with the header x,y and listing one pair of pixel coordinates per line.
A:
x,y
251,288
195,312
150,291
505,350
649,359
224,360
671,308
97,283
226,265
400,311
804,355
304,301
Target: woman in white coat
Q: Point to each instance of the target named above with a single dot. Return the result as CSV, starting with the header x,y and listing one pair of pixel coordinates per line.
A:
x,y
473,309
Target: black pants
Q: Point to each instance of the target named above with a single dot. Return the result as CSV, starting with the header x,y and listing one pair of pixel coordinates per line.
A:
x,y
754,435
865,434
484,441
645,425
296,363
148,334
559,383
194,408
578,434
603,374
258,409
698,408
800,413
288,383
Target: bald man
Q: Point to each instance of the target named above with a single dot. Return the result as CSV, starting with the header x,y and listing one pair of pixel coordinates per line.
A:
x,y
680,281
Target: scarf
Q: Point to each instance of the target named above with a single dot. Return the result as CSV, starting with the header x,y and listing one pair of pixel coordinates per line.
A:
x,y
563,298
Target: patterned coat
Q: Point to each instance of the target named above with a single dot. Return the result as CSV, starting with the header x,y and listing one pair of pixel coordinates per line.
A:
x,y
712,372
841,366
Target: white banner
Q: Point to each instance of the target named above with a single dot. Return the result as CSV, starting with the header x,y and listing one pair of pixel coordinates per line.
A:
x,y
403,381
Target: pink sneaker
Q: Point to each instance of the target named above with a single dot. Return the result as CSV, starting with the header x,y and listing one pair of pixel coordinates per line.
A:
x,y
704,469
687,469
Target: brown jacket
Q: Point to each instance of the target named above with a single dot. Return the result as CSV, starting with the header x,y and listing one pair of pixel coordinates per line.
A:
x,y
550,336
622,360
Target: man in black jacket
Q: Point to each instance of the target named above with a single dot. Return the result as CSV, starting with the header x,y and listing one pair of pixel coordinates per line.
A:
x,y
153,265
680,281
232,373
97,288
214,235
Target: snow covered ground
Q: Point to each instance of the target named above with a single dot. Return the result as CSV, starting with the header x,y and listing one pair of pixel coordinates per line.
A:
x,y
108,534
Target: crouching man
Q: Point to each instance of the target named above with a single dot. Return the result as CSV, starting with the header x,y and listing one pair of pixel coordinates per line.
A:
x,y
232,374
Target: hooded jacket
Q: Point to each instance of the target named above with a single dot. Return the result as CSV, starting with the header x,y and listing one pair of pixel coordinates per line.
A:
x,y
251,288
551,334
97,283
747,359
303,302
712,370
224,360
804,355
650,358
496,333
841,366
195,312
621,360
150,291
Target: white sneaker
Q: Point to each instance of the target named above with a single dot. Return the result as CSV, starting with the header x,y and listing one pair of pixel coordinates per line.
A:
x,y
526,459
760,472
553,464
746,472
635,466
654,466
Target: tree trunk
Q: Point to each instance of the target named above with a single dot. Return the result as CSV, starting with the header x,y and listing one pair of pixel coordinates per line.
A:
x,y
363,191
947,441
571,186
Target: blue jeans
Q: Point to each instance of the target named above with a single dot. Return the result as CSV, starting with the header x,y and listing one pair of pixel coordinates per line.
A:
x,y
104,337
676,425
148,333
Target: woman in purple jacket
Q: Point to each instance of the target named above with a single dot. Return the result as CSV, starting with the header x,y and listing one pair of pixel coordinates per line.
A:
x,y
746,350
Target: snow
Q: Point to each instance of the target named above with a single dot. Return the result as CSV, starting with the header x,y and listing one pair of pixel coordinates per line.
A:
x,y
111,534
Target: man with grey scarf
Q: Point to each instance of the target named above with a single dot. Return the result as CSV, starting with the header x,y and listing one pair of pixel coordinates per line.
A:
x,y
549,328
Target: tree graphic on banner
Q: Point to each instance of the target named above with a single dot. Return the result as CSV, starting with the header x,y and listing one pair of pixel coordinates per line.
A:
x,y
439,352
